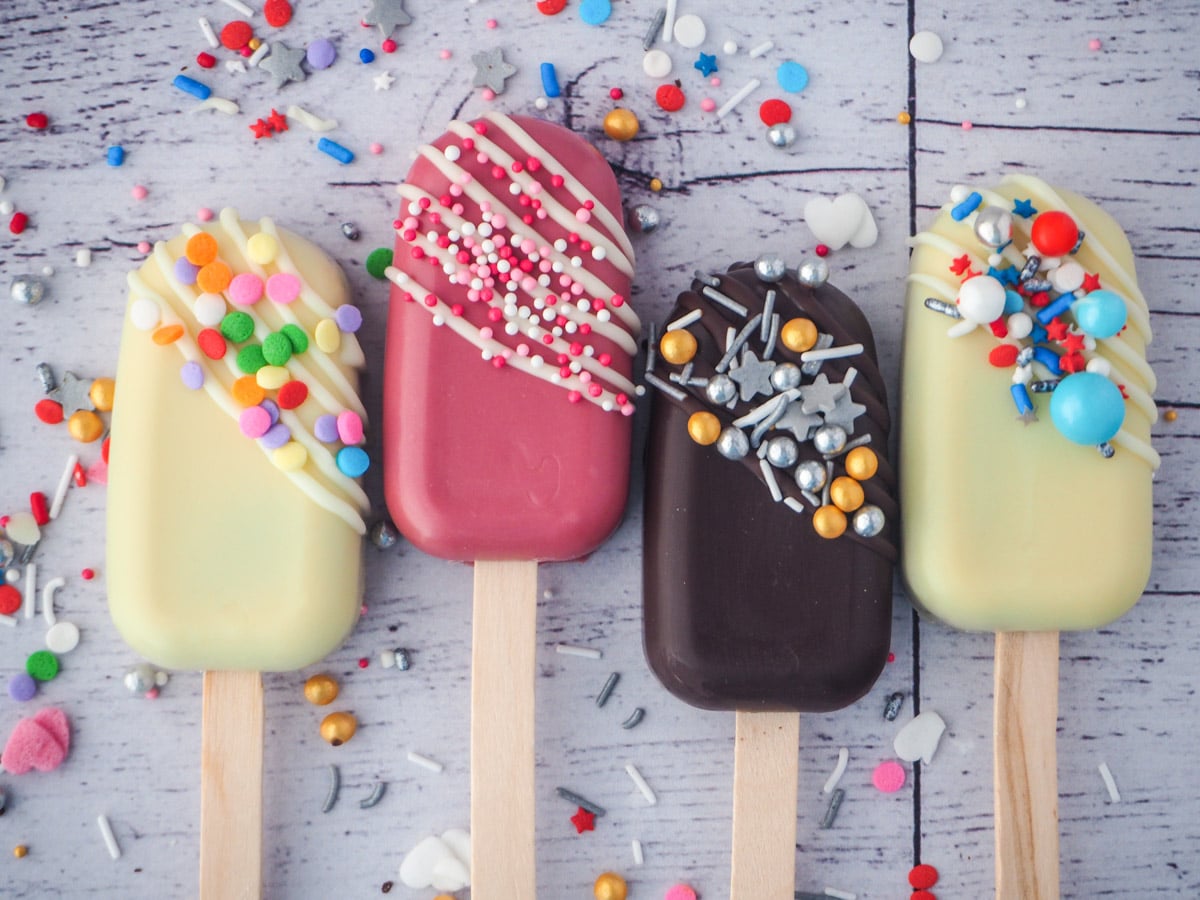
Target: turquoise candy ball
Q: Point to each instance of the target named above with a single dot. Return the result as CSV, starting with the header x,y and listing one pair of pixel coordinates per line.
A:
x,y
1100,314
1087,408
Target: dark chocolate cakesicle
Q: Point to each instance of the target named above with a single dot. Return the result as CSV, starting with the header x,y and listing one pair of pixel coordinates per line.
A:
x,y
770,512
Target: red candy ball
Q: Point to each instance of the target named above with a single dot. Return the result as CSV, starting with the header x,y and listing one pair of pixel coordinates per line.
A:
x,y
774,112
821,250
277,13
205,60
37,121
10,599
49,411
1001,357
236,35
670,97
921,895
923,876
1054,233
551,7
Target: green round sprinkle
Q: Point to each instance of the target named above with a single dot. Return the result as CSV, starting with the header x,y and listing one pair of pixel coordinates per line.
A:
x,y
250,358
277,349
42,665
237,327
378,261
296,337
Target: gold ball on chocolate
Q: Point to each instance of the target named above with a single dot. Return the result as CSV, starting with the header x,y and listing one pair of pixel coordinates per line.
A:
x,y
320,689
798,335
862,463
704,428
101,394
338,727
621,125
85,426
829,522
678,347
610,886
846,494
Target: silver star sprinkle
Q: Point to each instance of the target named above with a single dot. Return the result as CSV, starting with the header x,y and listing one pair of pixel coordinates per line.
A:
x,y
797,421
491,70
73,393
283,65
845,412
388,15
753,376
821,395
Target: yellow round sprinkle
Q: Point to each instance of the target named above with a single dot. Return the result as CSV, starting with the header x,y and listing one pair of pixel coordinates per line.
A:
x,y
327,336
862,463
20,851
1170,415
829,522
247,391
678,347
621,125
798,335
610,886
846,494
320,689
272,378
704,428
904,118
656,184
101,394
338,727
262,248
290,457
85,426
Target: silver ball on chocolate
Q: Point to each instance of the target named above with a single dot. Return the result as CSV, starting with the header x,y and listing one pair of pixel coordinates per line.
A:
x,y
733,443
644,219
813,272
829,439
720,389
384,534
782,451
350,230
868,520
786,376
781,135
770,267
810,475
993,226
141,679
27,290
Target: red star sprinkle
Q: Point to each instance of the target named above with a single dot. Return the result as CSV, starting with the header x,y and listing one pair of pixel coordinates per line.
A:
x,y
1121,388
1091,283
1057,329
583,821
1073,342
278,121
261,130
1072,362
961,264
1040,299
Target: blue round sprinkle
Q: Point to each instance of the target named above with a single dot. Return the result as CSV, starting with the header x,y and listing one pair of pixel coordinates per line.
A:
x,y
1087,408
116,155
353,461
1013,302
321,53
595,12
1100,314
192,374
792,76
365,56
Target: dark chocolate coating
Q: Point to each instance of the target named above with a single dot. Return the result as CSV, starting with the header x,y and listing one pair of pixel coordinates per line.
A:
x,y
745,605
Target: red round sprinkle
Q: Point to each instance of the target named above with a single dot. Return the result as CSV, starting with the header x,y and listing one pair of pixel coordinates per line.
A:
x,y
37,120
18,222
923,876
670,97
87,574
774,112
277,13
1003,356
39,507
212,343
49,411
1054,233
551,7
821,250
236,35
205,60
292,394
104,450
921,895
389,46
891,657
363,662
10,599
616,93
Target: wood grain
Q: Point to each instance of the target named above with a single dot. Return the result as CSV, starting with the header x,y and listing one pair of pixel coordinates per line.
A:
x,y
765,776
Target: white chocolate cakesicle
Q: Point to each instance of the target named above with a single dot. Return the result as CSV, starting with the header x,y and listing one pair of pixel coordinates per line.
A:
x,y
1008,525
224,553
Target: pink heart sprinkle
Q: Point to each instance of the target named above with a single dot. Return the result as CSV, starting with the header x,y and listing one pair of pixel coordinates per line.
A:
x,y
38,743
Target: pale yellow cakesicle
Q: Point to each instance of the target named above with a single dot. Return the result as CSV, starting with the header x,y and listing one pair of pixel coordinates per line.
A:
x,y
234,520
1009,525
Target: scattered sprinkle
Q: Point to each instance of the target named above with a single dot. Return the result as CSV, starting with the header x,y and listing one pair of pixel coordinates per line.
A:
x,y
110,840
925,47
1094,44
922,876
840,895
115,155
792,76
575,650
609,686
632,771
634,719
835,803
749,88
37,121
583,821
838,770
639,856
425,762
762,49
582,802
889,777
1113,794
374,797
335,150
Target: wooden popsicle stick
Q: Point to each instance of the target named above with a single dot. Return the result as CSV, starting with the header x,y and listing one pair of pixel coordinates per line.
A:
x,y
231,801
766,770
503,641
1026,766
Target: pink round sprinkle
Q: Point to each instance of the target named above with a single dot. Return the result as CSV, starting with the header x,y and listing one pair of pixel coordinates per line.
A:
x,y
708,104
245,289
204,214
139,192
967,125
445,54
888,777
143,246
679,892
254,421
715,81
491,23
389,46
283,287
616,93
376,148
1094,44
489,94
350,427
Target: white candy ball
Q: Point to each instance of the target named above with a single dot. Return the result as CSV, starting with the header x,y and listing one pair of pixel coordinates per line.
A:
x,y
1020,325
981,299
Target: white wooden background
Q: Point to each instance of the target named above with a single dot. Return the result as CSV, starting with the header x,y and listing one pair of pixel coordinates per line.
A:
x,y
1121,124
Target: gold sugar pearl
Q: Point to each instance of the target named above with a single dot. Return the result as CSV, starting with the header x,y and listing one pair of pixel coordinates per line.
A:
x,y
255,43
656,184
846,494
320,690
904,118
101,394
829,522
621,125
862,463
798,335
1170,415
338,727
21,851
610,886
85,426
678,347
704,428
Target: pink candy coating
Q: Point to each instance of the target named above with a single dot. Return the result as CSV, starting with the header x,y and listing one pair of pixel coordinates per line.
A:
x,y
283,287
204,214
254,421
139,192
349,427
679,892
889,777
245,289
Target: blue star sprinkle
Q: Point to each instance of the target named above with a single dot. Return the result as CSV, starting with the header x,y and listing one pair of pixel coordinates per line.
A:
x,y
706,64
1024,208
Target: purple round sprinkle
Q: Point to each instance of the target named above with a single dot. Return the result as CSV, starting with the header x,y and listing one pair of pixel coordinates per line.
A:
x,y
22,687
185,271
192,374
321,53
348,317
277,435
272,409
325,428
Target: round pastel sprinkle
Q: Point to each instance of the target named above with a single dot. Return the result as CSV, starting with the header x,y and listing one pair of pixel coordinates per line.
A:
x,y
296,336
325,429
63,637
185,272
378,261
214,277
321,53
167,334
283,287
348,317
680,892
656,64
192,375
292,394
1087,408
277,349
888,777
595,12
210,309
237,327
201,249
211,343
246,391
250,359
42,665
272,409
144,314
22,687
327,336
272,378
925,47
353,461
254,422
290,457
245,289
690,31
10,597
262,248
1100,314
277,435
349,427
792,77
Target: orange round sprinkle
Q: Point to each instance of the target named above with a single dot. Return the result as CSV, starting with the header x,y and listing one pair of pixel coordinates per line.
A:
x,y
904,118
214,277
167,334
201,249
247,392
